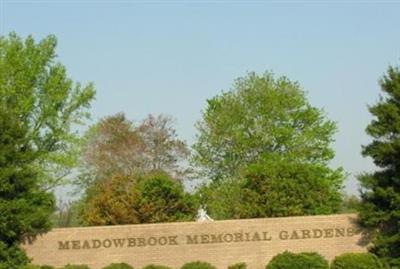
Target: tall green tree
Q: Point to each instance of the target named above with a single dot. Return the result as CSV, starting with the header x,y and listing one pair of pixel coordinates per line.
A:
x,y
38,105
380,192
37,89
265,136
25,207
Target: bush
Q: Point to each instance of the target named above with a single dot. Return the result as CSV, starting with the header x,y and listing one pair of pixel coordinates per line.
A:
x,y
30,266
198,265
240,265
76,266
154,266
118,266
11,257
305,260
356,261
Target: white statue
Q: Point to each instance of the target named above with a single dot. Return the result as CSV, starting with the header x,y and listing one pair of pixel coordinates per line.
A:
x,y
202,215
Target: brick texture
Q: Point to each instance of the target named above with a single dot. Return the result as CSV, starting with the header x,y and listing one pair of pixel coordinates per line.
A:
x,y
221,243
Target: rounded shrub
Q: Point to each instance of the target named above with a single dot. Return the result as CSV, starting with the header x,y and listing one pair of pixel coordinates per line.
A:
x,y
241,265
198,265
356,261
155,266
305,260
121,265
76,266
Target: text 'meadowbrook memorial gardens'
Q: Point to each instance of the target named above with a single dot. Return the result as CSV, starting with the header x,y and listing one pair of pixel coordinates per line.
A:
x,y
222,243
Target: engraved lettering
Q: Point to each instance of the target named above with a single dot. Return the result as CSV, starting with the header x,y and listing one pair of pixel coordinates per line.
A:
x,y
173,240
283,235
96,243
120,242
76,244
85,244
191,239
131,242
266,236
63,245
107,243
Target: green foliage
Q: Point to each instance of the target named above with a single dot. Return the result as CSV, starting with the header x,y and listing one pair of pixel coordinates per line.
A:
x,y
67,214
11,257
259,116
76,266
25,208
150,198
241,265
277,187
32,266
154,266
350,204
380,208
356,261
266,151
118,266
305,260
224,201
159,198
38,104
198,265
36,88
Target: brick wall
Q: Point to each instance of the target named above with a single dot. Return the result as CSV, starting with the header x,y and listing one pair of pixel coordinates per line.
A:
x,y
222,243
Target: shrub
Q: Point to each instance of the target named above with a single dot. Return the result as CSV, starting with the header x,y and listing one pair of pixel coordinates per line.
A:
x,y
76,266
305,260
11,257
240,265
118,266
154,266
356,261
30,266
198,265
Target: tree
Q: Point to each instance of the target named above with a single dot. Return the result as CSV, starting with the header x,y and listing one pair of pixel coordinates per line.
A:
x,y
111,147
25,208
163,149
38,105
380,193
109,202
264,136
115,146
160,198
39,91
150,198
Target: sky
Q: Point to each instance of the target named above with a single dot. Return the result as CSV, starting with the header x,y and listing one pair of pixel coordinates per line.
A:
x,y
171,56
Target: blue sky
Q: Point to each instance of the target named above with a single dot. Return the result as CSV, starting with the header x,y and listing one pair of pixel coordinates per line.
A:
x,y
170,56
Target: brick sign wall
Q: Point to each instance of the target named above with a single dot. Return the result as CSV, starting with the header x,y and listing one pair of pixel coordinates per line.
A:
x,y
222,243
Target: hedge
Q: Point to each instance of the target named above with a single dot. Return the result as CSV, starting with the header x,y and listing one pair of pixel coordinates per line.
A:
x,y
356,261
198,265
118,266
240,265
155,266
305,260
76,266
